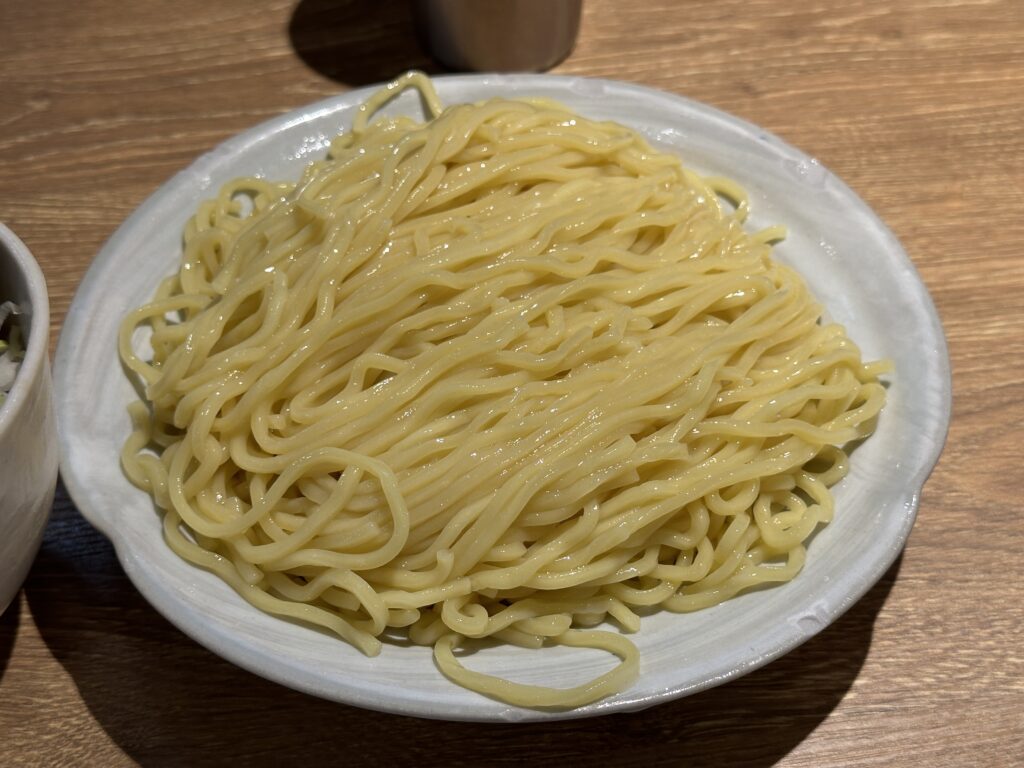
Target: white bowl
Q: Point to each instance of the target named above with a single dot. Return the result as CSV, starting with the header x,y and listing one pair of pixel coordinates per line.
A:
x,y
28,430
850,259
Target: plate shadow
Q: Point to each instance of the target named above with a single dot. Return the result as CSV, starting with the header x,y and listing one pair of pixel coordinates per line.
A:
x,y
165,700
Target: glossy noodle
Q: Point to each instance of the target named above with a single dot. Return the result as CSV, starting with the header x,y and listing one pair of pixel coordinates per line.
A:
x,y
508,373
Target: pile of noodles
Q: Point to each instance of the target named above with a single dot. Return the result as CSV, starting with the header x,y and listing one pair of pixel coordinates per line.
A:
x,y
508,373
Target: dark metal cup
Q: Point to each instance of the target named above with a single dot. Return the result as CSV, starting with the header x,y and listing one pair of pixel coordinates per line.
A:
x,y
499,35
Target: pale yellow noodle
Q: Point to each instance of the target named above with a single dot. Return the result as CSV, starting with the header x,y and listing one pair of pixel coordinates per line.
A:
x,y
508,374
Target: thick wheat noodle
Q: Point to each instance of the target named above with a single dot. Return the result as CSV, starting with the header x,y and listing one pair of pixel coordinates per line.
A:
x,y
505,374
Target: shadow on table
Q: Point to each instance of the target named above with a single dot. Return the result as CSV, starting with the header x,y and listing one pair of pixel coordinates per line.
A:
x,y
9,621
358,42
164,699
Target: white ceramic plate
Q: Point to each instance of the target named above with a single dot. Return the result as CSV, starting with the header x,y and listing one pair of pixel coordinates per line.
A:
x,y
852,262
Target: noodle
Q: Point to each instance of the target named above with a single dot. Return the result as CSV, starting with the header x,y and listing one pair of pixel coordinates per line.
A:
x,y
506,374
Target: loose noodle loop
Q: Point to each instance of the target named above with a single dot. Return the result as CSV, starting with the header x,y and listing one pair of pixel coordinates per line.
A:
x,y
508,373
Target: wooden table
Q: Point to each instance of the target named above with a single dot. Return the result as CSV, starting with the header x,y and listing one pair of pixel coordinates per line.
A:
x,y
918,104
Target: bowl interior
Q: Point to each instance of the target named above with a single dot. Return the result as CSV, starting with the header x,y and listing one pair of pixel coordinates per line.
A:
x,y
21,281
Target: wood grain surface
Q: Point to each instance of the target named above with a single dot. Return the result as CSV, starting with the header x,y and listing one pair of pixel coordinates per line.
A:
x,y
917,104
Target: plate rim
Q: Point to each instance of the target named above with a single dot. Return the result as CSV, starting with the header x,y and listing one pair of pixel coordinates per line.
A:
x,y
181,615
